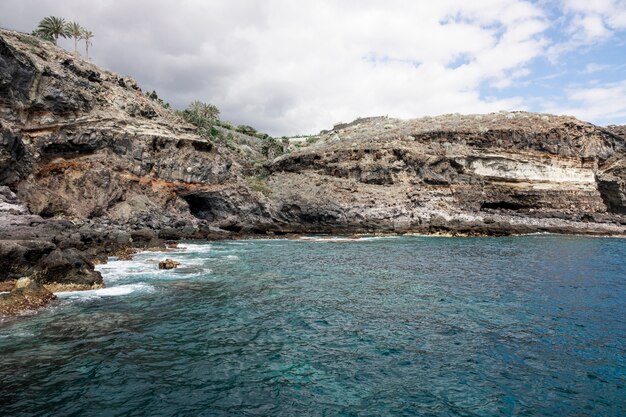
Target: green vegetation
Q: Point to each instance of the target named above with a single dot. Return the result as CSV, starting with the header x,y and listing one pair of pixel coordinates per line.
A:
x,y
155,97
272,147
203,116
259,184
74,30
87,35
247,130
207,112
52,28
42,35
226,125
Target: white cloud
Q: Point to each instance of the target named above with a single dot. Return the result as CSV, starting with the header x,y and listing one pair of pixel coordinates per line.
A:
x,y
595,20
595,67
292,67
588,23
604,103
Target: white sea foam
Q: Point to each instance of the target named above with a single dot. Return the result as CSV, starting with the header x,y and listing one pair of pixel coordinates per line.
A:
x,y
107,292
366,238
331,239
194,247
117,270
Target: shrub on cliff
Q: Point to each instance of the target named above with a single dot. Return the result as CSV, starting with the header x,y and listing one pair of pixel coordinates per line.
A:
x,y
246,130
42,35
155,97
207,112
202,115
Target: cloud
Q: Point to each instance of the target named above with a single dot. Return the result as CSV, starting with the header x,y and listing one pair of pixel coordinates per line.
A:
x,y
605,103
593,21
290,67
595,67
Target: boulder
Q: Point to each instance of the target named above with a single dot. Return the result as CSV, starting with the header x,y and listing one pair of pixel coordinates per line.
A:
x,y
168,264
69,266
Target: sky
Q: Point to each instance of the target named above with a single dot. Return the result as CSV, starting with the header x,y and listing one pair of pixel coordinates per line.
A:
x,y
290,67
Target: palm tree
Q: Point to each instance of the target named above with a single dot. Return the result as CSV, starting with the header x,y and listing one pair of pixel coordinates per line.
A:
x,y
86,35
75,30
53,26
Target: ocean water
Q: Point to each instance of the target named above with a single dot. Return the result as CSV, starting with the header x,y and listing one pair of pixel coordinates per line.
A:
x,y
408,326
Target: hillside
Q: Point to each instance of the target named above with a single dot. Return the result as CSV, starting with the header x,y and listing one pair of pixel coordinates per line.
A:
x,y
89,166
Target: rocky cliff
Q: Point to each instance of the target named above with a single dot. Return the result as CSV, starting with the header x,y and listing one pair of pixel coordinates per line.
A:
x,y
90,165
497,173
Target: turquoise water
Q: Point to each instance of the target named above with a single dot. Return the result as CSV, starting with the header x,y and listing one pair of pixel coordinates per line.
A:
x,y
528,326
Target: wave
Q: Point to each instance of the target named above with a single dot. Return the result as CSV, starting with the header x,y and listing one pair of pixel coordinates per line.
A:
x,y
193,248
345,238
107,292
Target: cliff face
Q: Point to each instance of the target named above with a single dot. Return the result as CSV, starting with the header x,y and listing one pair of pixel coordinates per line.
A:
x,y
498,173
90,165
73,133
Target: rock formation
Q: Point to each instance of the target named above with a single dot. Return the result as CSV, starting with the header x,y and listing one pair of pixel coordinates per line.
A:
x,y
499,173
90,166
27,294
168,264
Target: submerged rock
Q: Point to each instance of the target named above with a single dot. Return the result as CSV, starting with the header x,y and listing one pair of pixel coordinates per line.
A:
x,y
168,264
61,287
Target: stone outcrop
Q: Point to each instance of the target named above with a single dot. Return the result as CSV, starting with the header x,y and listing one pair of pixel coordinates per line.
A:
x,y
27,294
168,264
90,166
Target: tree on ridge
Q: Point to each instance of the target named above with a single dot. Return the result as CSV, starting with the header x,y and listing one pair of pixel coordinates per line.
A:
x,y
53,27
87,35
74,30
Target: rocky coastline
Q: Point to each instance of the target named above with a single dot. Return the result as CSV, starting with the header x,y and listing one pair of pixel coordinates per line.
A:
x,y
90,168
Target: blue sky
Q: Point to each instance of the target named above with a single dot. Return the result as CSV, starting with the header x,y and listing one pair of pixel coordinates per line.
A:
x,y
583,70
290,67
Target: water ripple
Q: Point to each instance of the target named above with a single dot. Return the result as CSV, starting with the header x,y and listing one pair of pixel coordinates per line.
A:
x,y
375,327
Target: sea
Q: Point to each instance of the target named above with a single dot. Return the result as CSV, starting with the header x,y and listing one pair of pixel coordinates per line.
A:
x,y
330,326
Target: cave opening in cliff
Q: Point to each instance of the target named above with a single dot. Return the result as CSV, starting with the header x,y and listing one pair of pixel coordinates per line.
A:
x,y
199,207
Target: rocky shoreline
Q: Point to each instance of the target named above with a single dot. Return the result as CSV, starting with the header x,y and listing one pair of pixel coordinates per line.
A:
x,y
90,167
